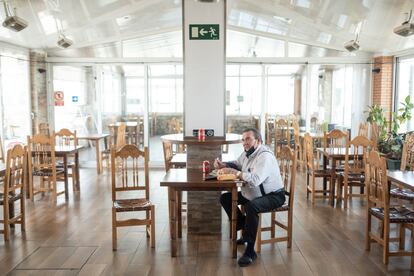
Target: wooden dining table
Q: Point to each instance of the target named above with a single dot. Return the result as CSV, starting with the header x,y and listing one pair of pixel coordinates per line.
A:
x,y
96,137
335,155
178,180
404,179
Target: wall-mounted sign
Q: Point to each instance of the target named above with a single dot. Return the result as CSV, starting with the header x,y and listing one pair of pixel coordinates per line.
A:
x,y
59,97
204,31
75,99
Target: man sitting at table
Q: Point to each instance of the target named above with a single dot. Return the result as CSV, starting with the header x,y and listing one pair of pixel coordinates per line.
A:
x,y
263,189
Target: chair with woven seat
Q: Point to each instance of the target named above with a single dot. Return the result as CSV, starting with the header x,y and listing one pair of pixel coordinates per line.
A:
x,y
287,165
42,163
65,137
407,163
125,181
354,168
313,170
378,206
14,189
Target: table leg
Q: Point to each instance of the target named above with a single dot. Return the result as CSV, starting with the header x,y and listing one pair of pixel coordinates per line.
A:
x,y
77,186
98,157
173,224
65,166
179,215
332,188
234,221
325,165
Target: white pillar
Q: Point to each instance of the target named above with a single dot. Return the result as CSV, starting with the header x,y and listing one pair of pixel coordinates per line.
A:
x,y
204,35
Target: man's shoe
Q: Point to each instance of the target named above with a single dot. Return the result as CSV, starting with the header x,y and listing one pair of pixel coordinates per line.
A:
x,y
246,260
240,241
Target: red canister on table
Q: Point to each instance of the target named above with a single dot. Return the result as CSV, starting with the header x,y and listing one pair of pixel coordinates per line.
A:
x,y
206,166
201,134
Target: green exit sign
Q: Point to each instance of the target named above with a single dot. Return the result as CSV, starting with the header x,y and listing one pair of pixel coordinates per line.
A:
x,y
204,31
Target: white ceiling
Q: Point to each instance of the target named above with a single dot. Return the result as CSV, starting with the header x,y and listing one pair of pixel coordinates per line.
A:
x,y
261,28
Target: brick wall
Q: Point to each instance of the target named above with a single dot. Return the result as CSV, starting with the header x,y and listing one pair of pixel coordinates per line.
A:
x,y
382,83
38,89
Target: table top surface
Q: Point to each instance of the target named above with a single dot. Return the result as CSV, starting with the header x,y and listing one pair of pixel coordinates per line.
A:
x,y
93,136
405,178
314,135
230,138
193,178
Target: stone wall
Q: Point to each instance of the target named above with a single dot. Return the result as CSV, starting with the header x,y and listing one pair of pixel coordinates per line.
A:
x,y
38,89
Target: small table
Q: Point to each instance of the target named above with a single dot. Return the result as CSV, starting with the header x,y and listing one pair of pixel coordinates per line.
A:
x,y
96,138
64,151
178,180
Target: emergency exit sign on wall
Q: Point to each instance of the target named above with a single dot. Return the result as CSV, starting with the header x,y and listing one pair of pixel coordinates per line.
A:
x,y
204,31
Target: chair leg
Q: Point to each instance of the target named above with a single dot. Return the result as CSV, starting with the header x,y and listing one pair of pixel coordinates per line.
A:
x,y
346,193
290,228
386,243
152,226
114,242
313,189
412,251
6,225
272,224
23,213
259,235
307,185
147,227
368,232
401,229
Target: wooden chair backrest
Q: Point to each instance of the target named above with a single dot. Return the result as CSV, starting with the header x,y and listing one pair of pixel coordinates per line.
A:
x,y
407,159
376,182
16,165
44,129
287,167
2,156
126,177
168,154
281,129
65,137
41,153
363,129
374,134
335,139
358,146
311,163
120,136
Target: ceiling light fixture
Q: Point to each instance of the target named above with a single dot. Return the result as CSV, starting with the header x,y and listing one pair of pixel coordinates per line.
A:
x,y
353,45
406,28
13,22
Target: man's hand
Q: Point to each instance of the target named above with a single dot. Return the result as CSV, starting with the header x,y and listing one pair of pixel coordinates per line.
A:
x,y
218,164
227,171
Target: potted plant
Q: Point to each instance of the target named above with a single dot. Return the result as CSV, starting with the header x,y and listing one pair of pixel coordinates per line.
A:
x,y
390,144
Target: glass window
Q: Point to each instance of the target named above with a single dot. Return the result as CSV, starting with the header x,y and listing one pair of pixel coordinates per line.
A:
x,y
15,98
405,81
280,95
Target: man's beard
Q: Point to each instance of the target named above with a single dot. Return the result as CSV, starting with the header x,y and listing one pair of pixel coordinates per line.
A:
x,y
250,151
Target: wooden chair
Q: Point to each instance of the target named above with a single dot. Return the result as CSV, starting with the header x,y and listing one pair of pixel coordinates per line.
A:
x,y
117,136
363,129
313,170
270,125
336,138
313,124
65,137
127,180
14,189
287,165
297,145
282,135
354,168
44,129
407,163
42,163
376,183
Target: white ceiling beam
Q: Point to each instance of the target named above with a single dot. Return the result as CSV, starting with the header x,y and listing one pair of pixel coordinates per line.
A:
x,y
283,38
122,37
